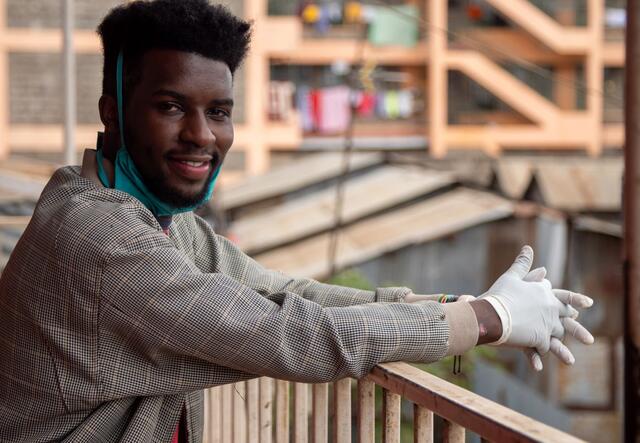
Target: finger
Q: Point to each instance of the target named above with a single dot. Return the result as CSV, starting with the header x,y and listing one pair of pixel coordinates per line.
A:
x,y
538,274
522,264
573,298
557,328
561,351
577,330
572,312
534,359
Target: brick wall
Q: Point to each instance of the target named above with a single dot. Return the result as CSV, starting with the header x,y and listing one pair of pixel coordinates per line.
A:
x,y
36,88
36,85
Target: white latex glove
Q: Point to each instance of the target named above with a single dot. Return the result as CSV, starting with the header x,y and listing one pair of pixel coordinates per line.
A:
x,y
532,313
556,346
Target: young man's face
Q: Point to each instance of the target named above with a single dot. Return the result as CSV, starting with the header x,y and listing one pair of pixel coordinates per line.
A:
x,y
178,125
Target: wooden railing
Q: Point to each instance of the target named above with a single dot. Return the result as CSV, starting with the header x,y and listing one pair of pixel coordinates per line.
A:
x,y
260,410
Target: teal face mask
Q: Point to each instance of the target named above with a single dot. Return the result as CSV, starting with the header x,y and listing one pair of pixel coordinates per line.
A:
x,y
127,178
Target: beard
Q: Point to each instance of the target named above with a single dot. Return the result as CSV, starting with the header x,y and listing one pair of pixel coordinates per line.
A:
x,y
161,187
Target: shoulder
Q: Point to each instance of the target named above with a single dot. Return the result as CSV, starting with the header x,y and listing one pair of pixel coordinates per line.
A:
x,y
77,212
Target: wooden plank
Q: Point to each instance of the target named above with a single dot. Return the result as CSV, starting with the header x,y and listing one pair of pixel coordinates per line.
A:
x,y
366,411
342,411
391,422
418,223
227,413
453,433
300,412
239,412
282,411
484,417
279,181
422,425
213,415
266,410
253,410
309,215
320,415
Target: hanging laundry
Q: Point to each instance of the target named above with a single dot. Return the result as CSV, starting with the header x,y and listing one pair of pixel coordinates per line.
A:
x,y
311,13
303,103
323,24
335,111
353,12
392,105
335,13
396,25
368,13
405,103
366,105
280,100
381,110
316,108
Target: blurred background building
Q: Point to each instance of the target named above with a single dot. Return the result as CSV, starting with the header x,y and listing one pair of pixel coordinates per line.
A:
x,y
476,126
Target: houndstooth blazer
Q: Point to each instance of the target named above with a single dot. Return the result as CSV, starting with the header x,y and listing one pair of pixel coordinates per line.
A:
x,y
109,328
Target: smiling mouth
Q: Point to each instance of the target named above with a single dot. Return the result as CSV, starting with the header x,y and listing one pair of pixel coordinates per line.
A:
x,y
192,168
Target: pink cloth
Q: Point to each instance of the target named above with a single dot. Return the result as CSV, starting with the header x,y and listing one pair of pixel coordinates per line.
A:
x,y
335,111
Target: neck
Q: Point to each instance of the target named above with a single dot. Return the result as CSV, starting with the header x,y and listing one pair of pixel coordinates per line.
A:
x,y
110,144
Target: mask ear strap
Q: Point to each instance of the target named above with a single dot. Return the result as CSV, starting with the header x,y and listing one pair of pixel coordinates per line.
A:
x,y
119,68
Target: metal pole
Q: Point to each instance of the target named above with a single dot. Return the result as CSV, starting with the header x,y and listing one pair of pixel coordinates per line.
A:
x,y
631,243
69,76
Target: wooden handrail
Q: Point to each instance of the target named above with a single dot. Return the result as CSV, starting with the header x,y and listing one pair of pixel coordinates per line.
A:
x,y
231,415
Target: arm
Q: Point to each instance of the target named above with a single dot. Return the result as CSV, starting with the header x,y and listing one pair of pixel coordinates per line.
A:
x,y
214,253
167,327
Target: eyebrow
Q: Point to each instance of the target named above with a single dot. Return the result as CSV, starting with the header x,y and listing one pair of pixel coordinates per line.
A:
x,y
182,97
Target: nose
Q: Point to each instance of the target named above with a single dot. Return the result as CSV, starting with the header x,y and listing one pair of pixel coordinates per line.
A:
x,y
196,130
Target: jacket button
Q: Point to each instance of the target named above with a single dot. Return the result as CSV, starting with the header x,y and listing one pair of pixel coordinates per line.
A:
x,y
443,316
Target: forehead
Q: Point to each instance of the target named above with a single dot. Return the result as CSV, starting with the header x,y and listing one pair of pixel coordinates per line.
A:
x,y
185,72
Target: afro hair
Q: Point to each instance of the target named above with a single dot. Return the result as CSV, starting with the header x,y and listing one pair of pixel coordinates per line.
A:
x,y
184,25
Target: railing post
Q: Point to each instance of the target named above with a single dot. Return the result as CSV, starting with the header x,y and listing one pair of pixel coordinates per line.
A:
x,y
319,423
342,411
453,433
212,411
422,425
282,411
366,411
300,412
266,410
391,423
239,413
227,416
253,410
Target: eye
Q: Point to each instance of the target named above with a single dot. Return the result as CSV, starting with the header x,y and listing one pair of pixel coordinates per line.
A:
x,y
219,113
169,107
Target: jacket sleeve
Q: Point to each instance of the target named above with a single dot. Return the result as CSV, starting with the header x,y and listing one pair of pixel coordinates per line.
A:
x,y
214,253
165,326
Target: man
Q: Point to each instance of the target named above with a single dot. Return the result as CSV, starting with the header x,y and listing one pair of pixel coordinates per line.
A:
x,y
119,305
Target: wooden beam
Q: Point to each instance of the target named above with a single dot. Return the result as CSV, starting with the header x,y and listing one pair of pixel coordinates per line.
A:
x,y
484,417
49,40
594,72
437,77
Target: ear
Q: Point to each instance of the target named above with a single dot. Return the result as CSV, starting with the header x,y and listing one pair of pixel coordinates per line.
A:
x,y
108,108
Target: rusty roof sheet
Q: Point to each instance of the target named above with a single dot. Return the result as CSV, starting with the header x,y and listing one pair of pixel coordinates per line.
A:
x,y
427,220
365,195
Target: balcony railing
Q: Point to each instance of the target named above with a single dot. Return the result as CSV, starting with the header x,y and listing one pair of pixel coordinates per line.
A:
x,y
260,410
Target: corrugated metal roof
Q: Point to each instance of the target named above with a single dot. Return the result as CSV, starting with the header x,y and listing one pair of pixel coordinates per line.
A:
x,y
430,219
566,183
378,190
296,175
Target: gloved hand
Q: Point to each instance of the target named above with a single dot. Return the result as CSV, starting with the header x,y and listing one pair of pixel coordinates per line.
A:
x,y
533,315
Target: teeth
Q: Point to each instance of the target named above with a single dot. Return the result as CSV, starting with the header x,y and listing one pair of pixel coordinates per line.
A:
x,y
194,164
